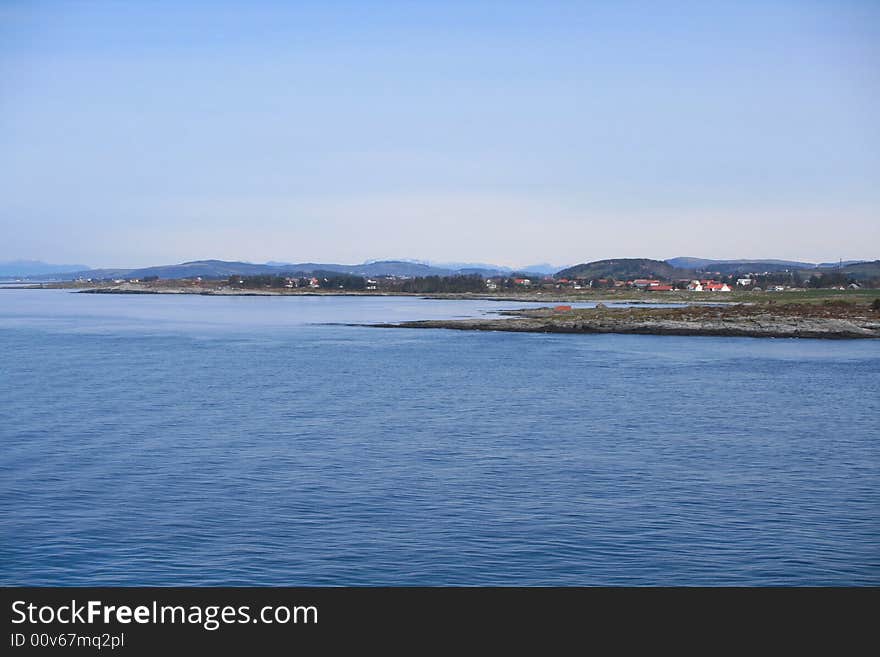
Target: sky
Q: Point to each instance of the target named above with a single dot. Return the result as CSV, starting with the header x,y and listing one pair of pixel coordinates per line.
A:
x,y
514,133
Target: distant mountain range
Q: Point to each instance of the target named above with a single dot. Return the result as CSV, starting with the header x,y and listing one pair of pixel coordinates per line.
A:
x,y
21,268
618,268
703,263
744,266
224,269
495,270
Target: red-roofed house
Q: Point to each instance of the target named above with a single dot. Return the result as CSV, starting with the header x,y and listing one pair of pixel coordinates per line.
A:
x,y
645,282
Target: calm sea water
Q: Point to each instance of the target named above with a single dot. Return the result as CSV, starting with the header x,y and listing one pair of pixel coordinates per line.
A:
x,y
191,440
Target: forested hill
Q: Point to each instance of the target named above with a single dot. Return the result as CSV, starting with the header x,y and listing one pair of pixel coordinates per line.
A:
x,y
674,268
624,269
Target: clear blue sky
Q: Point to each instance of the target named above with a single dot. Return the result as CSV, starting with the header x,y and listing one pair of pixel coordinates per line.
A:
x,y
136,133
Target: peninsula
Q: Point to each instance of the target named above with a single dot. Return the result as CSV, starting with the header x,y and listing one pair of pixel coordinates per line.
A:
x,y
832,319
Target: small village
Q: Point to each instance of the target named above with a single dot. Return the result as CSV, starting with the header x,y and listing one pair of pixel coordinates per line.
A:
x,y
754,283
331,281
638,284
605,277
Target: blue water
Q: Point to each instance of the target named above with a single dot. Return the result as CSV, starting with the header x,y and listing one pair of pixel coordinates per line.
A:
x,y
192,440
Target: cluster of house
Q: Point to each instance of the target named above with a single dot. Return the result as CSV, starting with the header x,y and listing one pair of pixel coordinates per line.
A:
x,y
289,282
704,285
708,285
749,282
650,285
643,284
312,282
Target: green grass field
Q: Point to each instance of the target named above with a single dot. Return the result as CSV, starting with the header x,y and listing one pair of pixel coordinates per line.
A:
x,y
816,296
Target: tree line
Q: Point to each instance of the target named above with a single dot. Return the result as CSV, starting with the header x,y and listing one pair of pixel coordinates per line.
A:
x,y
334,281
431,284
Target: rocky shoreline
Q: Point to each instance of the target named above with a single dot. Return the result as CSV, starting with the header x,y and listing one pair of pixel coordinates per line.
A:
x,y
832,321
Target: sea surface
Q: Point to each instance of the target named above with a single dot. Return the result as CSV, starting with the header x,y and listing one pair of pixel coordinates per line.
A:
x,y
186,440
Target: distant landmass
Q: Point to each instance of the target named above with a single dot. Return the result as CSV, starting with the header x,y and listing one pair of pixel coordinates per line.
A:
x,y
370,268
542,268
30,268
224,269
860,270
630,268
841,263
624,268
731,265
484,269
746,266
616,268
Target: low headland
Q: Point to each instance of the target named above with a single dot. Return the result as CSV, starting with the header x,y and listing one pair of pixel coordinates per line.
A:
x,y
830,320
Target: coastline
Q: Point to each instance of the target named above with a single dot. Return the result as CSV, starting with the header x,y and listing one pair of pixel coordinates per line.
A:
x,y
224,291
527,295
789,321
824,314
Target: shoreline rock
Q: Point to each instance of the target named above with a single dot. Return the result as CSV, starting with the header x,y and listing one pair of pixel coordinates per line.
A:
x,y
735,321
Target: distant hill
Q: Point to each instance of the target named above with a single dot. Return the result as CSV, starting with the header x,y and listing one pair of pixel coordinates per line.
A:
x,y
618,268
218,269
23,268
203,268
542,268
372,268
624,269
738,266
483,268
857,268
398,268
863,271
689,263
835,265
756,266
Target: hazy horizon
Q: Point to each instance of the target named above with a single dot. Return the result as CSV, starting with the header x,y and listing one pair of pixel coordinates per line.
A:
x,y
506,133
